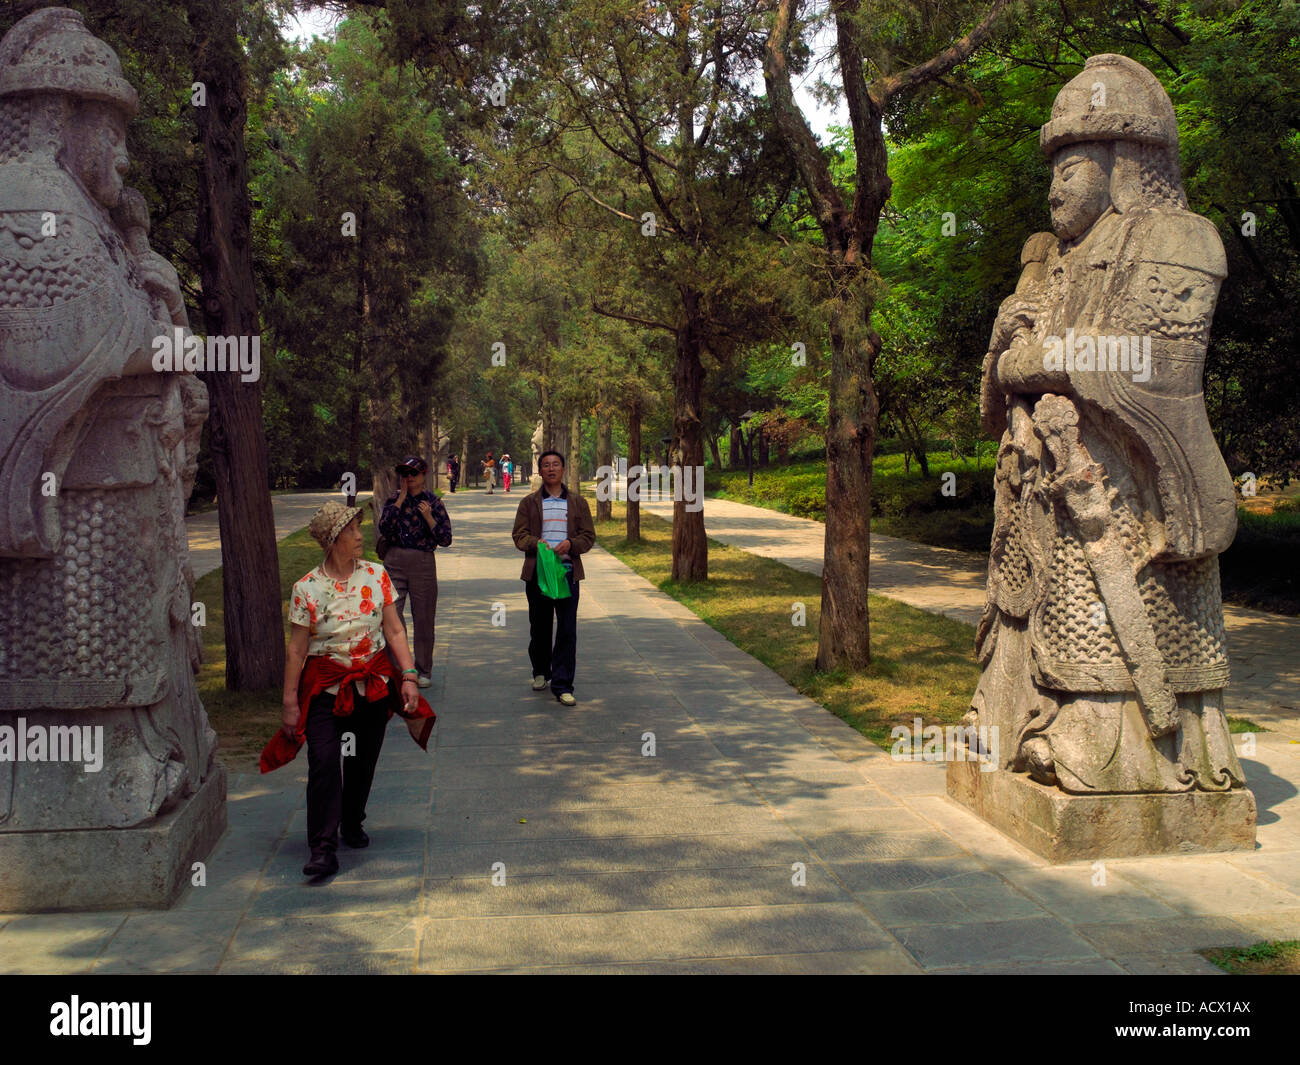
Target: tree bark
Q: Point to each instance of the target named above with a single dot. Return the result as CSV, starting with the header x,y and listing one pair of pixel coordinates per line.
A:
x,y
548,427
358,348
844,633
250,571
764,454
435,462
383,483
604,457
713,453
634,459
690,545
573,474
734,458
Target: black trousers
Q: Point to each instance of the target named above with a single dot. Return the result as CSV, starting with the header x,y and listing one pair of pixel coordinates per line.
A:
x,y
338,784
556,664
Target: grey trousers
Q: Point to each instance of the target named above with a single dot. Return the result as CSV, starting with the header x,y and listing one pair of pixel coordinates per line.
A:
x,y
415,574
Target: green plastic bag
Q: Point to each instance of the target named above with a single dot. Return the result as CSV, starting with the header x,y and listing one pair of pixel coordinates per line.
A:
x,y
552,577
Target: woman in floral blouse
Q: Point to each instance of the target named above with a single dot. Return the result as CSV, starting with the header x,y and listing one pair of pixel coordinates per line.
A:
x,y
338,684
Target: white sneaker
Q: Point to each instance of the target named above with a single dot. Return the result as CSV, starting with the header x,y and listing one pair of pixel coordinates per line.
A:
x,y
567,699
424,682
539,682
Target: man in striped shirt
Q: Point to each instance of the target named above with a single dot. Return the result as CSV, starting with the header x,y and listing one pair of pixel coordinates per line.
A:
x,y
563,522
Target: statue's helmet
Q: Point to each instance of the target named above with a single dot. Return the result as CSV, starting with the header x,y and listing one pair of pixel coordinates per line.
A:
x,y
1112,99
52,51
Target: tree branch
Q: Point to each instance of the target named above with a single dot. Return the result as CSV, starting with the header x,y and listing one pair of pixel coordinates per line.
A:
x,y
883,89
632,318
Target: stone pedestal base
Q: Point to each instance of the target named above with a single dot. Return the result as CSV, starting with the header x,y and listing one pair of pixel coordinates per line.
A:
x,y
111,868
1064,828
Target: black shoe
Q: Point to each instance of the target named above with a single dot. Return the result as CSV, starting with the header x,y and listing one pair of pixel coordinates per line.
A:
x,y
323,863
355,838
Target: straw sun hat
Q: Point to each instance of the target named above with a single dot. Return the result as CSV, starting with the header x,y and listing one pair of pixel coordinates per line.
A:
x,y
331,520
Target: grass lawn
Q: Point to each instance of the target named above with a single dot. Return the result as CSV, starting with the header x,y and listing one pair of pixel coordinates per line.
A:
x,y
244,721
924,665
1278,958
903,503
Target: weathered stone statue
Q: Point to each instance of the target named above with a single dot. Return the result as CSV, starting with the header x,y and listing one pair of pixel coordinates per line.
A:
x,y
535,479
97,459
1103,643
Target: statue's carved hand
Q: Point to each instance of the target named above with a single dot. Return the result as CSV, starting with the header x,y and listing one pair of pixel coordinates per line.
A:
x,y
160,278
1018,316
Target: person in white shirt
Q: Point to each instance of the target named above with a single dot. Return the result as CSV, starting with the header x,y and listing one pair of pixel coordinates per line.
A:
x,y
563,522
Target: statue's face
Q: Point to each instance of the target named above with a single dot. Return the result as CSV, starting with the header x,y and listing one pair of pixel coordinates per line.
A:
x,y
98,151
1080,188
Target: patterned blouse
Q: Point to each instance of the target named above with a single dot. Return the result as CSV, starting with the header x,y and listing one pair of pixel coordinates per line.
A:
x,y
345,618
407,527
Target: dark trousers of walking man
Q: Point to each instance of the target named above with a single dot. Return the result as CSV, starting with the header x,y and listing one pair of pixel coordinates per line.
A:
x,y
415,573
556,664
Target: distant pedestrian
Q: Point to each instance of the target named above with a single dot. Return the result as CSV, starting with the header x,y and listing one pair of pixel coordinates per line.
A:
x,y
415,524
564,522
507,468
453,471
489,471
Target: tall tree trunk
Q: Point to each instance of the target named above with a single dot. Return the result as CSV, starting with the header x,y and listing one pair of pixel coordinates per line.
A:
x,y
734,457
560,439
844,634
358,348
435,462
464,458
915,441
634,459
573,471
764,456
690,545
548,425
250,570
849,234
713,452
604,457
383,483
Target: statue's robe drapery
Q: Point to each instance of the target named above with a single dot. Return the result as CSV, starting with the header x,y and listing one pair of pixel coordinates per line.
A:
x,y
66,296
1057,681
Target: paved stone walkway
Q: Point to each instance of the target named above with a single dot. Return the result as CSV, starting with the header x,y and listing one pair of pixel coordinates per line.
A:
x,y
1264,649
684,861
292,512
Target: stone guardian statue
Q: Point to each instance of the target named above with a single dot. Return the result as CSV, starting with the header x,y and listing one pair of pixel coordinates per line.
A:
x,y
97,460
1103,646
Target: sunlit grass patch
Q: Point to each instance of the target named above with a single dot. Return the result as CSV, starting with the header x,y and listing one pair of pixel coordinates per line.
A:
x,y
1268,958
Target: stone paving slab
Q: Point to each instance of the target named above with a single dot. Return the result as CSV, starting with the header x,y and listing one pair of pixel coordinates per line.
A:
x,y
646,935
684,862
885,961
979,943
